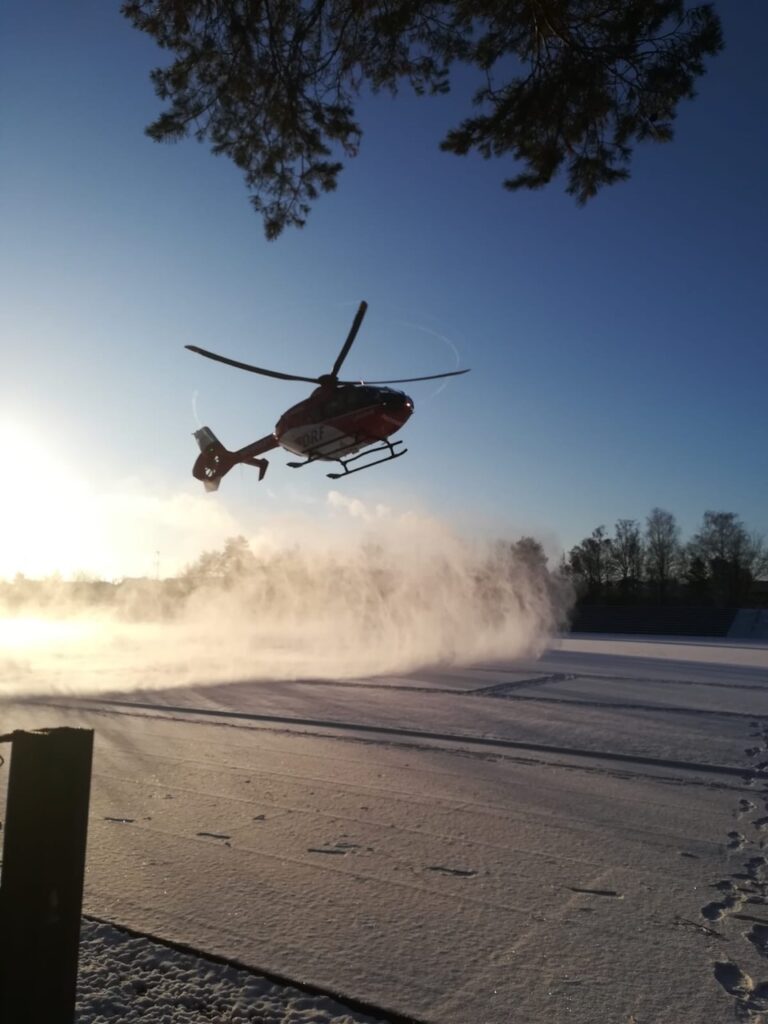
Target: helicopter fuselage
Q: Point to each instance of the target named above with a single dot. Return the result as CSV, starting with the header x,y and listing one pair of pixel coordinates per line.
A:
x,y
339,420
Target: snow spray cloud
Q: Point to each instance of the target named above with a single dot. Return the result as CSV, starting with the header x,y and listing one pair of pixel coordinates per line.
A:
x,y
368,593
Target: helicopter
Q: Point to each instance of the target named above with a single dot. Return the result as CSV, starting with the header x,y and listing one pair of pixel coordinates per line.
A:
x,y
339,422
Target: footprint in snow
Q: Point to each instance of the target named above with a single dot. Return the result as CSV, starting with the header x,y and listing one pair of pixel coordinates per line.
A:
x,y
460,872
338,848
736,840
717,911
597,892
726,885
752,998
758,936
733,979
756,867
758,1001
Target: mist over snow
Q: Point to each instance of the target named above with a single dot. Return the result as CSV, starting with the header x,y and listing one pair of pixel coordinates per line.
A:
x,y
59,518
348,590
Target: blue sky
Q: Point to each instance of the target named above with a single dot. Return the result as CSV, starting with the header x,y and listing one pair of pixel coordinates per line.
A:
x,y
618,351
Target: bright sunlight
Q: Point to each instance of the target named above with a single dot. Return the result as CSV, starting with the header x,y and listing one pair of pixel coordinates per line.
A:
x,y
48,515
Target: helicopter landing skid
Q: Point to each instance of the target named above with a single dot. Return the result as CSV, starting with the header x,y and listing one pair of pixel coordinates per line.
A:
x,y
388,446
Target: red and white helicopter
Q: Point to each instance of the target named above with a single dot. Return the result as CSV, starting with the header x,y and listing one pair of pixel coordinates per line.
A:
x,y
339,419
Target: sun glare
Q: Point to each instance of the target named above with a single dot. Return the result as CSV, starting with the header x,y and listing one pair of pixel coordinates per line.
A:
x,y
47,516
21,633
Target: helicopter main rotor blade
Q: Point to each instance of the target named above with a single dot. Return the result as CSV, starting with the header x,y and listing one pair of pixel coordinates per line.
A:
x,y
247,366
350,338
408,380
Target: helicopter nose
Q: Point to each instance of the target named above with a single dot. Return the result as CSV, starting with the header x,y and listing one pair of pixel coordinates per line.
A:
x,y
396,408
401,408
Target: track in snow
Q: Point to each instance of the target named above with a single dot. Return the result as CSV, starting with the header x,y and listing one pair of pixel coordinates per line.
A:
x,y
188,713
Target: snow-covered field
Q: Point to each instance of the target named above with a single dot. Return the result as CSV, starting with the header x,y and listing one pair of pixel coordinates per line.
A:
x,y
135,980
578,838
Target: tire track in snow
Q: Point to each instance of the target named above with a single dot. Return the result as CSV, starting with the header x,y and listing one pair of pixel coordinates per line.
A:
x,y
487,743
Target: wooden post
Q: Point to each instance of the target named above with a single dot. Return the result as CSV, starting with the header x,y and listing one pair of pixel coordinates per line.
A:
x,y
41,885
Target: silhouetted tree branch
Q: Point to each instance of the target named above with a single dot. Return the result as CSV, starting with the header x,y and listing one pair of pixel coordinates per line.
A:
x,y
567,84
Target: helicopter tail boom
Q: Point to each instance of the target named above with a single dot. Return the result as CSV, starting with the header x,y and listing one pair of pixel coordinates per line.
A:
x,y
215,461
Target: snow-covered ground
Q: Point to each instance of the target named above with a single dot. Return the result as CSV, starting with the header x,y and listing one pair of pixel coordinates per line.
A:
x,y
578,838
134,980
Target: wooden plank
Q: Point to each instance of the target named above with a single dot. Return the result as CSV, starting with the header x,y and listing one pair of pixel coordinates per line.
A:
x,y
41,885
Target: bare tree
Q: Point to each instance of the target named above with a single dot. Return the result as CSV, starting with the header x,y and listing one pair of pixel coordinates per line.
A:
x,y
662,544
589,564
732,557
628,555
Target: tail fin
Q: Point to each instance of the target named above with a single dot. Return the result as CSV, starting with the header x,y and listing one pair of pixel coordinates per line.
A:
x,y
215,461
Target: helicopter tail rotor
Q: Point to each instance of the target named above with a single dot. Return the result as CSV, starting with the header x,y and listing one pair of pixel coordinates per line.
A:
x,y
215,461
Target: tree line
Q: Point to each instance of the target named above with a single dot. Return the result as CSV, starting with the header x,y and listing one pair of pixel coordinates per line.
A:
x,y
650,562
640,562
